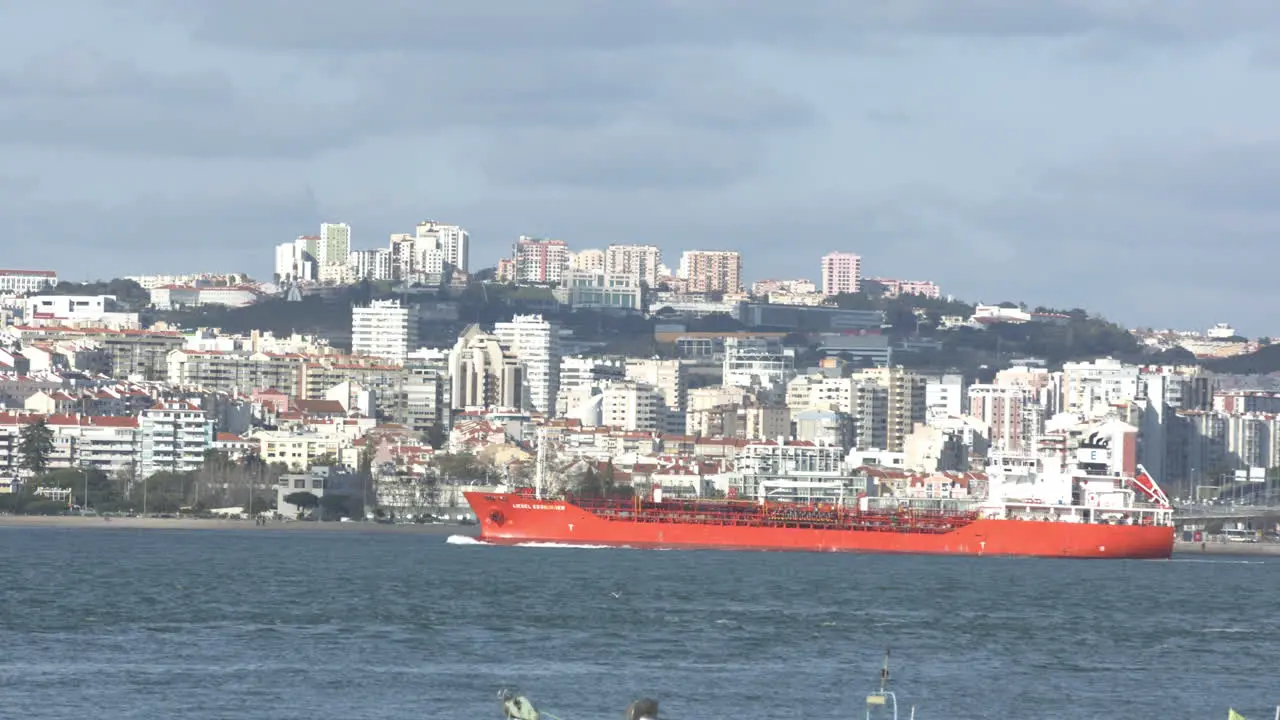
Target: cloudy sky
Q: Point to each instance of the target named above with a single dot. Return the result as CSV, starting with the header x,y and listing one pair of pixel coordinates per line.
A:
x,y
1117,155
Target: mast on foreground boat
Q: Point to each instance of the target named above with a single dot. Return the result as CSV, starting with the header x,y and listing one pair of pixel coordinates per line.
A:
x,y
883,703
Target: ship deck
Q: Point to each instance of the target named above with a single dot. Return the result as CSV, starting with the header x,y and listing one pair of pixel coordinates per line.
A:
x,y
729,513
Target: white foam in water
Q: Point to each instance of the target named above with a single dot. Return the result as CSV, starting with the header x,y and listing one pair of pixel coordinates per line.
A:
x,y
468,540
563,545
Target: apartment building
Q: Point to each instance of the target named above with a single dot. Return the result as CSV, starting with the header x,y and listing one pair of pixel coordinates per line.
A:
x,y
22,282
109,444
174,436
630,405
536,344
641,261
841,273
384,329
233,372
590,260
483,373
905,394
706,271
540,260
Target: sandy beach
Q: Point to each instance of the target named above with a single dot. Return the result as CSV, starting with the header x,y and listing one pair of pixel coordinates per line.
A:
x,y
149,523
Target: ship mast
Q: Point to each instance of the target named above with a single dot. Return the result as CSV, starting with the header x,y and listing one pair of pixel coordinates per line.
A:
x,y
540,466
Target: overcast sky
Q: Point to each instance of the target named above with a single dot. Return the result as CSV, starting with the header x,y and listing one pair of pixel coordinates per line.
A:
x,y
1117,155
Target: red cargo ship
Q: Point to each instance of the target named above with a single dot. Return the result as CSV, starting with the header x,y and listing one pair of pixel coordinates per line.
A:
x,y
1097,517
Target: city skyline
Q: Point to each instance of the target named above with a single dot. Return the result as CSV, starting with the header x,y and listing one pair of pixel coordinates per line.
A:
x,y
1062,155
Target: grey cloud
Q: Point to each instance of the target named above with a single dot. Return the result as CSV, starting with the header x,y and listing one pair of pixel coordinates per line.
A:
x,y
1153,226
514,27
187,231
623,157
83,99
459,90
83,73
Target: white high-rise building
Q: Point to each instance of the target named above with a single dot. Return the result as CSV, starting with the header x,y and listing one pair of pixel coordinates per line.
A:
x,y
536,345
371,264
630,405
174,436
944,397
334,244
670,379
639,260
450,241
296,261
384,329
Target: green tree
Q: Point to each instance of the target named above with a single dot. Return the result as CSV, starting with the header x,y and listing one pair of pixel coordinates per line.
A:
x,y
163,492
459,465
333,507
303,500
35,445
102,492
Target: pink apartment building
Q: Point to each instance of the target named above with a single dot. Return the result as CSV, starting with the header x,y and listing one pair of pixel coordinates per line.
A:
x,y
841,273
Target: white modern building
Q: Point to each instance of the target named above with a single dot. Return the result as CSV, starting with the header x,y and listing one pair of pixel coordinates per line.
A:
x,y
599,290
77,310
296,260
536,345
21,282
632,406
795,472
1093,388
450,241
639,260
944,397
384,329
173,438
372,265
758,362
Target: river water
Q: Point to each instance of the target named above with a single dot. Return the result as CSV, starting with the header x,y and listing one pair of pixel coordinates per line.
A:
x,y
102,623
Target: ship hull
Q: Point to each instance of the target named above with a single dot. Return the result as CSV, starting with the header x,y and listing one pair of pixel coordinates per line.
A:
x,y
515,519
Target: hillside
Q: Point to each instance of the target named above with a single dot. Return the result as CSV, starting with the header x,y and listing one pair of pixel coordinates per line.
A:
x,y
1264,361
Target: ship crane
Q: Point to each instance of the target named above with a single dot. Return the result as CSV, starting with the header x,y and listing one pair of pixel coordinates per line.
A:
x,y
1147,486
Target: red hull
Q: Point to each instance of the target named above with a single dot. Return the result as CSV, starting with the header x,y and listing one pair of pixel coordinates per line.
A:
x,y
510,519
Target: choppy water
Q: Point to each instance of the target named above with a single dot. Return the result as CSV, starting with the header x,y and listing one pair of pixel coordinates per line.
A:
x,y
100,623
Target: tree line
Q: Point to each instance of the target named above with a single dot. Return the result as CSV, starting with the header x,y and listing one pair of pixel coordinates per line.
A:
x,y
219,482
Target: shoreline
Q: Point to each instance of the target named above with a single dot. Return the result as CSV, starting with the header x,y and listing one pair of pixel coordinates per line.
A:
x,y
74,522
1187,549
68,522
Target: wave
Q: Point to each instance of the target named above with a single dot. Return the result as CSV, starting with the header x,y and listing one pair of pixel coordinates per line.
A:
x,y
576,546
1221,561
1227,630
468,540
